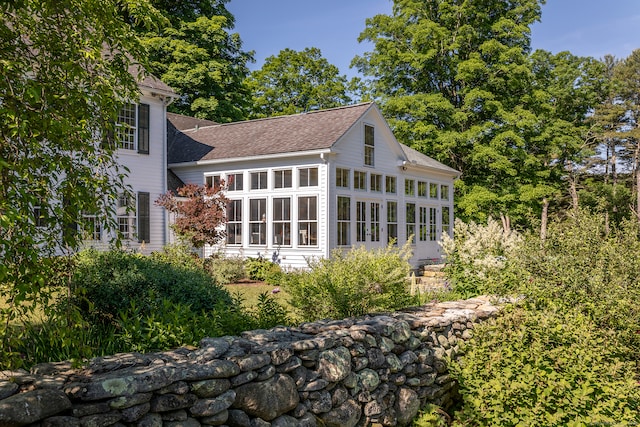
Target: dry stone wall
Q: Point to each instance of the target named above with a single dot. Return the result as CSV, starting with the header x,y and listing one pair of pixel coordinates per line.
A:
x,y
372,370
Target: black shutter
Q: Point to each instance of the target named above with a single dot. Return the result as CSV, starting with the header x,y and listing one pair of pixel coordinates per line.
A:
x,y
143,128
144,222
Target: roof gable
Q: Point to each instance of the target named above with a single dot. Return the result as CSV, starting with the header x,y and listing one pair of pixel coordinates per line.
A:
x,y
315,130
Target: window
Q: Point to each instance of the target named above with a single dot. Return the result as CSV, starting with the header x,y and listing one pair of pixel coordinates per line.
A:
x,y
376,182
308,177
392,222
235,182
361,221
40,215
212,181
411,220
368,145
282,221
308,221
282,179
258,180
258,221
125,213
390,184
234,222
423,231
92,227
144,218
422,189
360,180
433,190
342,178
432,225
344,220
126,127
132,127
446,220
444,192
374,217
409,187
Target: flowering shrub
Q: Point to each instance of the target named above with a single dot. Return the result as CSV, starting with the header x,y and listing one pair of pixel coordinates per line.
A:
x,y
478,255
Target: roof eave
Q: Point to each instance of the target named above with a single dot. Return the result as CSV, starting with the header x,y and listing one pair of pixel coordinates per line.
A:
x,y
251,158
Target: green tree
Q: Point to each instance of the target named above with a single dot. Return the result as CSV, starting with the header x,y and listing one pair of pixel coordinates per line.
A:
x,y
457,82
294,82
199,57
65,74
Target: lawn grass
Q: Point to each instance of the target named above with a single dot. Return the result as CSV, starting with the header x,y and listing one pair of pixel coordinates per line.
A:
x,y
251,290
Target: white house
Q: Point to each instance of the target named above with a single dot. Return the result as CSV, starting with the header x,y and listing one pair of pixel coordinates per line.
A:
x,y
302,185
142,135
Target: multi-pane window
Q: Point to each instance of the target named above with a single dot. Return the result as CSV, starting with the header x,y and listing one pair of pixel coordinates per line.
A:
x,y
144,217
308,221
411,220
409,187
92,227
125,214
446,220
282,178
282,221
126,127
258,180
369,148
235,182
212,181
433,224
342,178
423,231
258,221
361,221
360,180
308,177
390,184
234,222
374,219
444,192
132,127
422,189
344,221
392,222
376,182
433,190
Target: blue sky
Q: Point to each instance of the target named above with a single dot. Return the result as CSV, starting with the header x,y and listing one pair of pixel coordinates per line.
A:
x,y
583,27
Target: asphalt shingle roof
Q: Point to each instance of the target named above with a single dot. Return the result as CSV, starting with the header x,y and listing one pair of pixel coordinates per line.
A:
x,y
314,130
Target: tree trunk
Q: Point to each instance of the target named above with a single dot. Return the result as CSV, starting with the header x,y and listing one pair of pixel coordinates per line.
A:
x,y
506,223
544,219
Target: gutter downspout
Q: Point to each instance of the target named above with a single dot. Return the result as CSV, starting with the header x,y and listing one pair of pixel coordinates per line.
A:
x,y
165,217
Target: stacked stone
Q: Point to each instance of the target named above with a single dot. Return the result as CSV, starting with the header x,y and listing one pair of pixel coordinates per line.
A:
x,y
373,370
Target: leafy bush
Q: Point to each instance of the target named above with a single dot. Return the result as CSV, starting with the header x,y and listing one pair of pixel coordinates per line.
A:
x,y
263,269
550,368
585,264
352,283
225,270
108,282
268,313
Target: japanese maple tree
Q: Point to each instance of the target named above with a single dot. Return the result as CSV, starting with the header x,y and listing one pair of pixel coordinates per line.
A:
x,y
200,212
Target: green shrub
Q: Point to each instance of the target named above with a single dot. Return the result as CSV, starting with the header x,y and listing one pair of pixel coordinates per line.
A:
x,y
105,283
546,368
352,283
225,270
262,269
268,313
